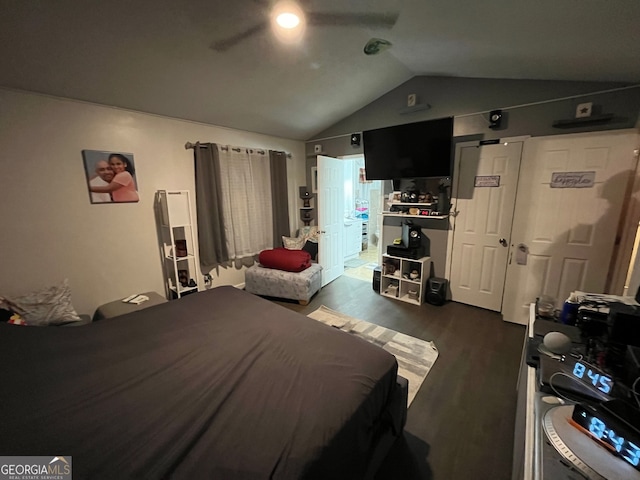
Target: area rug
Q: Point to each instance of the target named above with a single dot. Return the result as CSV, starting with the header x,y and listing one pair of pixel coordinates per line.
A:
x,y
415,357
354,263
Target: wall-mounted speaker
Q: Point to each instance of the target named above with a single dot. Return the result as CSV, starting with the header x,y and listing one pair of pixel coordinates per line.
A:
x,y
304,192
411,235
495,119
437,290
355,139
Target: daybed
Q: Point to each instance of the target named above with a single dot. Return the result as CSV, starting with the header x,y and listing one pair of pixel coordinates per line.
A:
x,y
270,282
221,384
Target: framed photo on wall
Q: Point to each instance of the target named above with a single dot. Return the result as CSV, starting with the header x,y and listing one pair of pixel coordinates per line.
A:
x,y
111,176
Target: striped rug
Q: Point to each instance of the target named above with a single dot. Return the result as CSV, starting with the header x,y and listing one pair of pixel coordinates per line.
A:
x,y
415,357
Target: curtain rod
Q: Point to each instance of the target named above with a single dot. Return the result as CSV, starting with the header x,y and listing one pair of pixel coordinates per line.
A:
x,y
189,145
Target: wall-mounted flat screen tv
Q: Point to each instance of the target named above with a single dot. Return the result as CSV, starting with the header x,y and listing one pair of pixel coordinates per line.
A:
x,y
421,149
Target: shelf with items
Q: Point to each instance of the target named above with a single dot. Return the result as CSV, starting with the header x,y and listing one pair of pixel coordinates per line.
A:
x,y
178,243
365,234
413,210
404,279
407,215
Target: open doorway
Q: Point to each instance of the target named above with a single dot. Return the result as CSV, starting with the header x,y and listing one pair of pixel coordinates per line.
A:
x,y
361,220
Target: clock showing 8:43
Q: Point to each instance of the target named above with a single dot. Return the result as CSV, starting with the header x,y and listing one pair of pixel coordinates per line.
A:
x,y
606,427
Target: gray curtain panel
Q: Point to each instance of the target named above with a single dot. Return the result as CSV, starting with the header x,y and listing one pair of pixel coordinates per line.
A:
x,y
211,237
280,196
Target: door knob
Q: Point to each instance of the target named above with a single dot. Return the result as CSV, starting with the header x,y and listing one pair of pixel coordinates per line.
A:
x,y
503,242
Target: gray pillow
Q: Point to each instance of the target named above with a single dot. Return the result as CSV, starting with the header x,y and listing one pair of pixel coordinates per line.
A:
x,y
49,306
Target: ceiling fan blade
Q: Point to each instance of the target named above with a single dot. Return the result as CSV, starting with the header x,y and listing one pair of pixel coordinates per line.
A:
x,y
226,44
385,20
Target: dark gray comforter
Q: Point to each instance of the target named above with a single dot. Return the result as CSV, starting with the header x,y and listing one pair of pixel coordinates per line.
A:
x,y
221,384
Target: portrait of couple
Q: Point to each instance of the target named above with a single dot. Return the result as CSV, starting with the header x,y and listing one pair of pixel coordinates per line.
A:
x,y
110,176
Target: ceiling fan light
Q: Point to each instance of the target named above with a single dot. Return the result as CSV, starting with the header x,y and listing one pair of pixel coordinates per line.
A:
x,y
288,20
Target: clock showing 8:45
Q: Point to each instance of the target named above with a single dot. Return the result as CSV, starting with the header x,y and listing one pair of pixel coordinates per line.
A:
x,y
592,376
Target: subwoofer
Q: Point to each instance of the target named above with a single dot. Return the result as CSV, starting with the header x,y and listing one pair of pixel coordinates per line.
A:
x,y
437,290
411,235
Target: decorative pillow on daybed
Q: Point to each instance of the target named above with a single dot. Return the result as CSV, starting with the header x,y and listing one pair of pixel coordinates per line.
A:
x,y
306,240
293,243
309,233
49,306
284,259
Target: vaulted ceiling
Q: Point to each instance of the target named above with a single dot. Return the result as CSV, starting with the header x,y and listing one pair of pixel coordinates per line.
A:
x,y
156,56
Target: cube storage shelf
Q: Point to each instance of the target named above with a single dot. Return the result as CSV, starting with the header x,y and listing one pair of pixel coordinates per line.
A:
x,y
396,281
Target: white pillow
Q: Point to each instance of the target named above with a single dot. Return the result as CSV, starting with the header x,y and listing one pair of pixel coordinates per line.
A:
x,y
49,306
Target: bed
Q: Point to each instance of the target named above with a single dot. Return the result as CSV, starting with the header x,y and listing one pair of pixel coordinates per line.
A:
x,y
221,384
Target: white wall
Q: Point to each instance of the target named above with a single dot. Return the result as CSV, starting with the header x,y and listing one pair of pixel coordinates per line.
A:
x,y
50,230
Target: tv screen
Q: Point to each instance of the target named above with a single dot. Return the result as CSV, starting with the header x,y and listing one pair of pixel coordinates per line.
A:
x,y
421,149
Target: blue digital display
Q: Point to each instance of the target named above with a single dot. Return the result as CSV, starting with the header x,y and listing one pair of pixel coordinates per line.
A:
x,y
592,376
622,444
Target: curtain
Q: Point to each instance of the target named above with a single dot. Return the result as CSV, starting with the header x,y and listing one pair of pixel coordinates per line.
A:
x,y
212,239
280,196
246,201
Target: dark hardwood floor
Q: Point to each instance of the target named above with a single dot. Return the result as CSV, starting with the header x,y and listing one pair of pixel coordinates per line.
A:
x,y
460,425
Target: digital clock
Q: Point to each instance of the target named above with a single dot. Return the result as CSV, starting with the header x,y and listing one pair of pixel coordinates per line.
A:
x,y
575,376
613,425
590,375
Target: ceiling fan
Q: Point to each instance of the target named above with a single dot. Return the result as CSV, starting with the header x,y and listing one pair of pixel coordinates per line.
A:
x,y
292,11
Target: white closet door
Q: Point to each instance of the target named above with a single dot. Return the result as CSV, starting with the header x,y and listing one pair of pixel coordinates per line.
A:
x,y
482,222
569,232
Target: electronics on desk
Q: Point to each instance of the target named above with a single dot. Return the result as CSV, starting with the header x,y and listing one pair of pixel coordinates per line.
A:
x,y
586,442
574,376
624,324
615,425
592,320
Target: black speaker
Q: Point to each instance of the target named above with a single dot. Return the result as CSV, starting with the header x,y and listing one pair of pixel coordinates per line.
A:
x,y
495,119
304,192
411,235
437,290
355,139
377,274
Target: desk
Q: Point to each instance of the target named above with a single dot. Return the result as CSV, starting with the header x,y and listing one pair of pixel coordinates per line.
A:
x,y
526,459
537,443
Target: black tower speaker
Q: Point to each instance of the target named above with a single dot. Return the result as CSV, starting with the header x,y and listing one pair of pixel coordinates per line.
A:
x,y
411,235
377,274
437,291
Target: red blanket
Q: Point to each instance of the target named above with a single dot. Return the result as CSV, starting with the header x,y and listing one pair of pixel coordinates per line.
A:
x,y
284,259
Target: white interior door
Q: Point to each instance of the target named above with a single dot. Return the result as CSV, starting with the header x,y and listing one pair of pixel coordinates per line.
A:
x,y
482,222
330,199
569,232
